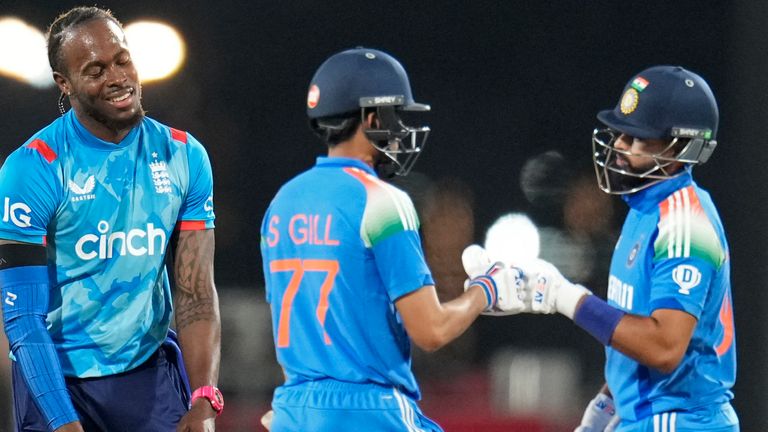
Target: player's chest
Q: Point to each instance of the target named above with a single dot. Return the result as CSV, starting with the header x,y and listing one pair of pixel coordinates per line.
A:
x,y
630,278
132,181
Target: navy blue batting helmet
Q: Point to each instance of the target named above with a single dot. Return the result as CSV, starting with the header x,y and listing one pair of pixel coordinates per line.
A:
x,y
663,102
667,103
356,78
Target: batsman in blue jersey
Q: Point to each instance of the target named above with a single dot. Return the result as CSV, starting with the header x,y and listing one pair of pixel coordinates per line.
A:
x,y
345,273
668,322
93,206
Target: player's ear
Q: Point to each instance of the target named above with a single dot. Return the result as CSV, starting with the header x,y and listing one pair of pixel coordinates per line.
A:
x,y
62,82
372,120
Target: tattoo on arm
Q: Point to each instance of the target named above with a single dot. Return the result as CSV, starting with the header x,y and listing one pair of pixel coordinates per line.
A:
x,y
195,295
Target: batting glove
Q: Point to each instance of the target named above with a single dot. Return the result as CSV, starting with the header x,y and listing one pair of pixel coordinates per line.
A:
x,y
600,415
505,283
549,291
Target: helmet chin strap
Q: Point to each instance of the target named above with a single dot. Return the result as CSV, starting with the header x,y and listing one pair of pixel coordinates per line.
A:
x,y
387,164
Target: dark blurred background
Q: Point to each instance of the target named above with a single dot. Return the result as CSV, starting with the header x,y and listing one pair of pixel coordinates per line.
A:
x,y
514,88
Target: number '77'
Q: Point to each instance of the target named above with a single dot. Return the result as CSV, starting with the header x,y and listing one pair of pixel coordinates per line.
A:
x,y
299,267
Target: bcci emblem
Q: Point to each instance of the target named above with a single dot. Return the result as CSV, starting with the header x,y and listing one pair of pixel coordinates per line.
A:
x,y
686,277
633,254
629,101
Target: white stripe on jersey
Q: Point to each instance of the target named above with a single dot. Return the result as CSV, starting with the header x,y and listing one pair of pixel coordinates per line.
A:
x,y
665,422
406,412
678,226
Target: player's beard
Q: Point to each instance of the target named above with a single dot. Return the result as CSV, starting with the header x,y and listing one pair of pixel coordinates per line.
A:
x,y
114,124
624,182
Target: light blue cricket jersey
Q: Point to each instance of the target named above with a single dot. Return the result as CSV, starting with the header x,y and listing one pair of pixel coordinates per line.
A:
x,y
339,247
672,254
106,213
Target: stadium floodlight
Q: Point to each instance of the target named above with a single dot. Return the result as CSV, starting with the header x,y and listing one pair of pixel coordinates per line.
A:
x,y
23,54
158,50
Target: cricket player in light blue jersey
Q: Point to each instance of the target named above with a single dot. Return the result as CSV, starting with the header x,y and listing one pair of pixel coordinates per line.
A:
x,y
345,273
668,322
92,206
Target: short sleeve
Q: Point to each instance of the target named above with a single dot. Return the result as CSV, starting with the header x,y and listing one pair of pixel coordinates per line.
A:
x,y
688,253
197,209
29,193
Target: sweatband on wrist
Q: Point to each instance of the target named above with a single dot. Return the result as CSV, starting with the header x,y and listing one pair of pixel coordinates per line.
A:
x,y
598,318
489,289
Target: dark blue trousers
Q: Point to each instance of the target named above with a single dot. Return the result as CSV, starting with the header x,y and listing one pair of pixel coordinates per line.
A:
x,y
150,398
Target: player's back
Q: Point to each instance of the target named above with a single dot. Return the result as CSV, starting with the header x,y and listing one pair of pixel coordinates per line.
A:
x,y
332,277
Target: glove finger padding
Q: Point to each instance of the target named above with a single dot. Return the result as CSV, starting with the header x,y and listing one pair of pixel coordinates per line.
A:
x,y
475,261
543,282
600,415
510,283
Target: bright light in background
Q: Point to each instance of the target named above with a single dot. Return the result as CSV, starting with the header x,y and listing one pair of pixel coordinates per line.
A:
x,y
512,239
23,54
157,49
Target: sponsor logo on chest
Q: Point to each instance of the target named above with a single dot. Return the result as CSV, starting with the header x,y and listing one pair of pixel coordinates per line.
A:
x,y
620,293
84,192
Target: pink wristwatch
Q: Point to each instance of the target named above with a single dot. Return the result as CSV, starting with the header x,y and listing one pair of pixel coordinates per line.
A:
x,y
213,395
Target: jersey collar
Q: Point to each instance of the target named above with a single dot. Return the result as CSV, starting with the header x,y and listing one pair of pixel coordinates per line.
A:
x,y
341,162
649,198
85,137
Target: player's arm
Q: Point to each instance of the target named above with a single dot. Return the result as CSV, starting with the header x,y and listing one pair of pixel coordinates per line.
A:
x,y
658,341
25,291
432,324
198,323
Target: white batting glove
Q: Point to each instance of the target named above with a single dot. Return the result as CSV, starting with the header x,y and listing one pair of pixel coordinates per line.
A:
x,y
266,420
600,415
549,291
509,282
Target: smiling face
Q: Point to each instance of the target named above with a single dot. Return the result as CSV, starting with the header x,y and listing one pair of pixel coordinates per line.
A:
x,y
100,79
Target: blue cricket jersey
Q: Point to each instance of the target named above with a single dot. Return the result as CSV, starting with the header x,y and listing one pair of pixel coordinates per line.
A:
x,y
105,213
339,247
673,254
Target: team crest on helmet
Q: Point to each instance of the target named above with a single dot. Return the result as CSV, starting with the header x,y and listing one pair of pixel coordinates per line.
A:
x,y
629,101
313,97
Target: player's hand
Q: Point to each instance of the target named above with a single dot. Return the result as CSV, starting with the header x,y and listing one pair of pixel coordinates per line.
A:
x,y
550,292
266,420
201,418
504,286
600,415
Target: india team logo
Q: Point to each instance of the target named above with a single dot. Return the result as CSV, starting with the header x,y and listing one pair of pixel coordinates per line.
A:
x,y
629,101
686,277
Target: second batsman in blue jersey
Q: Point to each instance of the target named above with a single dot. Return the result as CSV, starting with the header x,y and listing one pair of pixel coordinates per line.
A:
x,y
668,321
93,206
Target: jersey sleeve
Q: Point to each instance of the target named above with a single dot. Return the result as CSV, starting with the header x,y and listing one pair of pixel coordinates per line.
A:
x,y
29,192
197,209
687,255
390,227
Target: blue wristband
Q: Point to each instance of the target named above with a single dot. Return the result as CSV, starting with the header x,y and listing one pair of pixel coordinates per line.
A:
x,y
598,318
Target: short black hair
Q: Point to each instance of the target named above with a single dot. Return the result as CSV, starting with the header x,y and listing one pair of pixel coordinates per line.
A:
x,y
336,129
68,20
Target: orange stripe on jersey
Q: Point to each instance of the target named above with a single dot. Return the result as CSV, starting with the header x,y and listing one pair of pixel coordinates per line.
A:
x,y
726,319
179,135
361,175
43,149
190,226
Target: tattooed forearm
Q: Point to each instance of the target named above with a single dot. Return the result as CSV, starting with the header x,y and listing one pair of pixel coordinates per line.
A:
x,y
193,269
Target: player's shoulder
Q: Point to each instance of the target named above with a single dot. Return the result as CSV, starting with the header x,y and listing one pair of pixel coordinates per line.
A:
x,y
176,136
43,149
379,192
687,228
